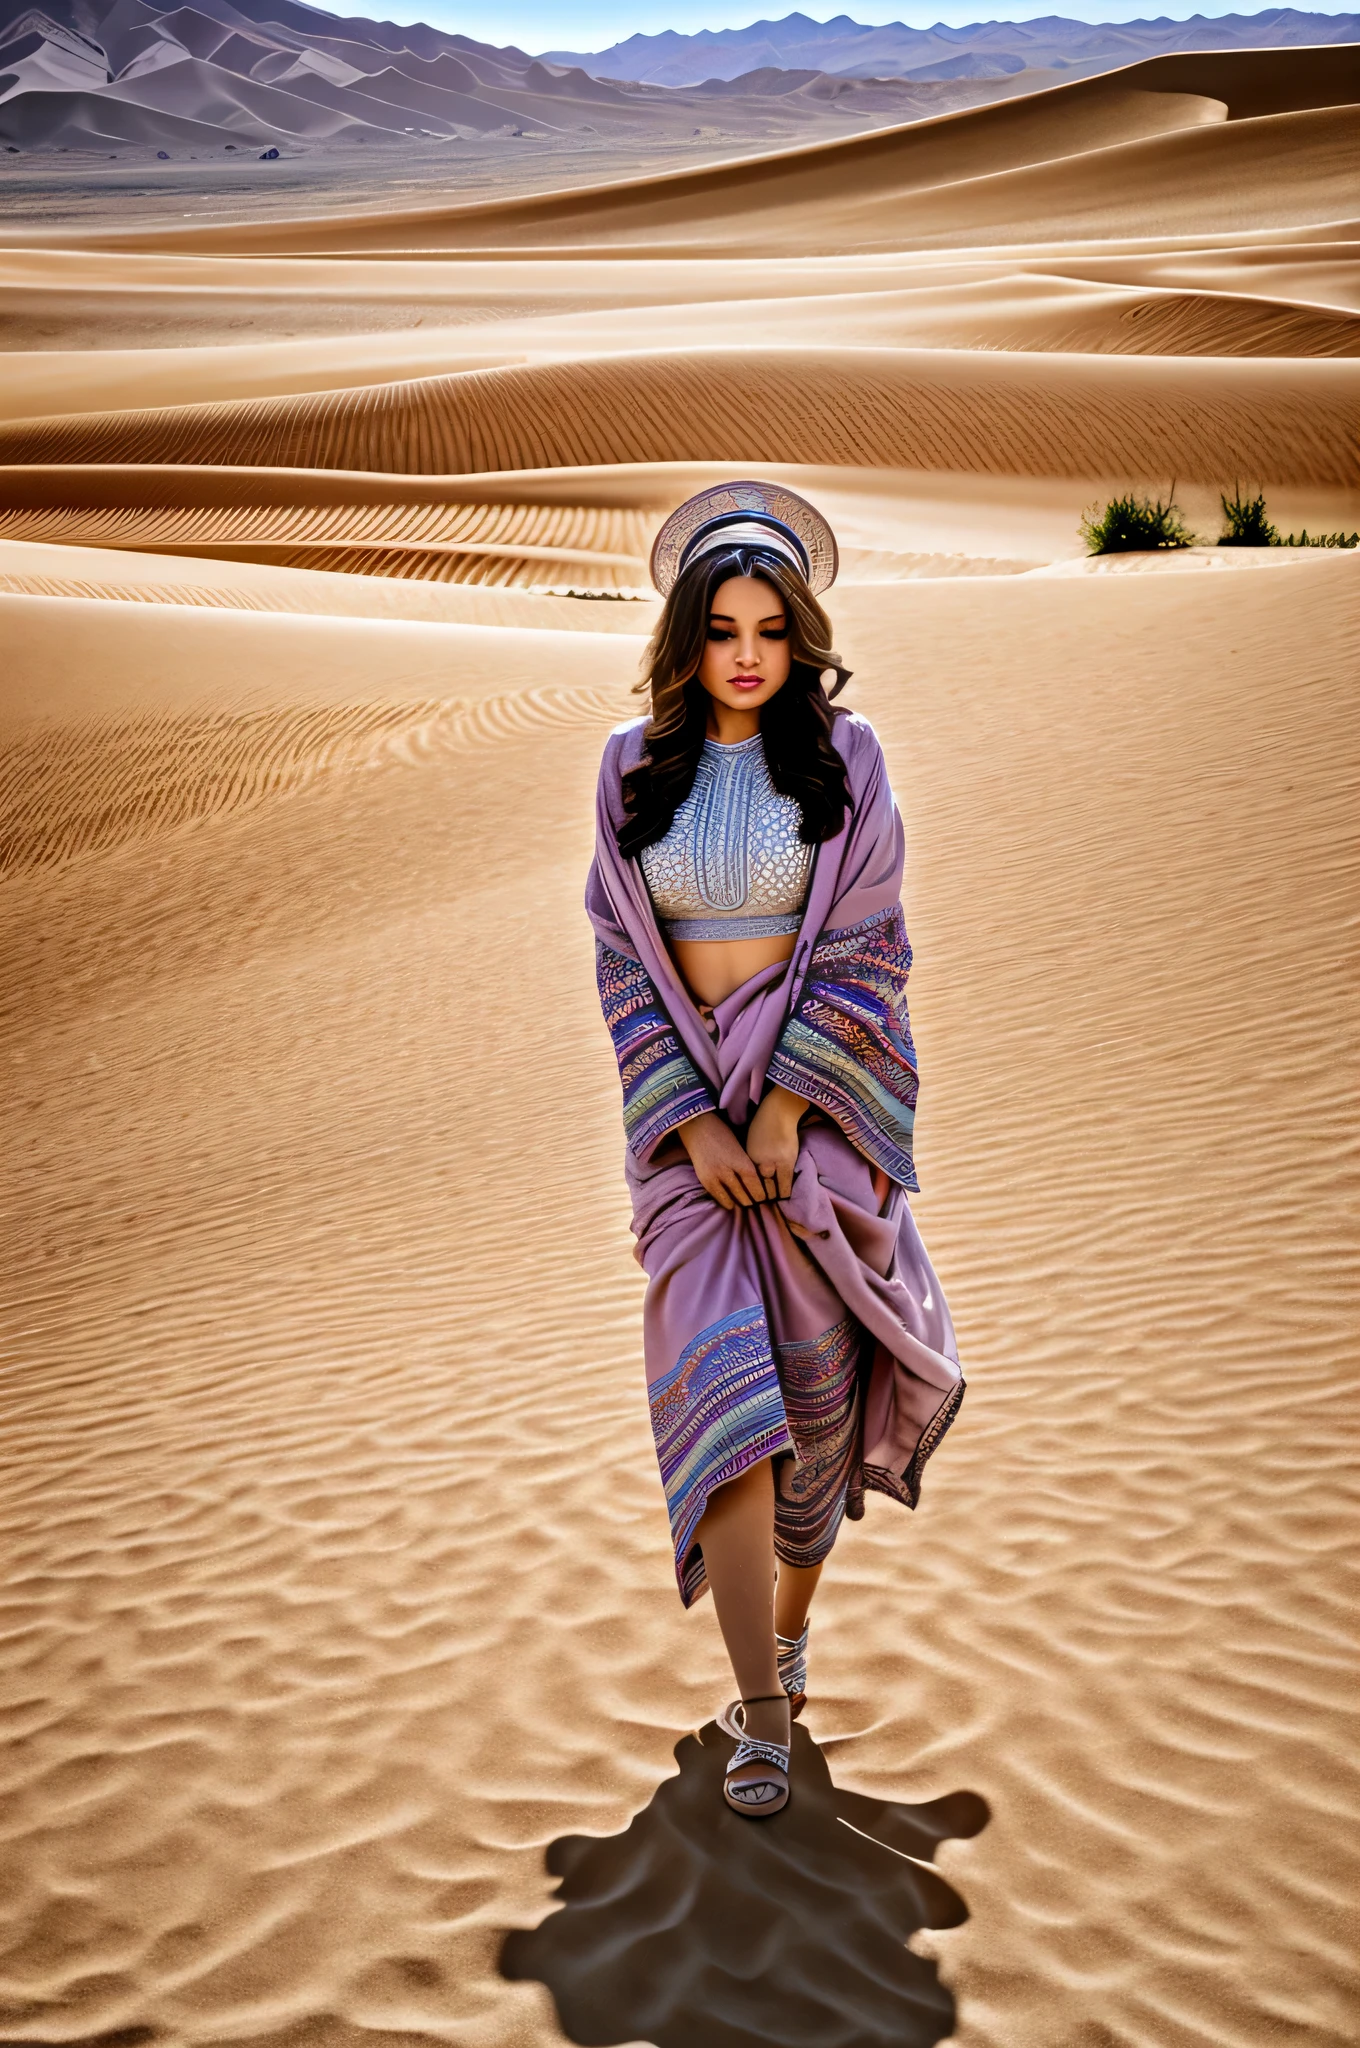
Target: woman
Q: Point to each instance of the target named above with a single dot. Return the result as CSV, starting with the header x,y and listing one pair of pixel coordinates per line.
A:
x,y
752,963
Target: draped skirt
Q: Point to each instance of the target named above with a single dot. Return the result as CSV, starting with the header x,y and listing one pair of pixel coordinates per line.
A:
x,y
753,1352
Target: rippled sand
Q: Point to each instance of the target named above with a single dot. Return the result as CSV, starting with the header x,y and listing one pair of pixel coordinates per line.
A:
x,y
340,1629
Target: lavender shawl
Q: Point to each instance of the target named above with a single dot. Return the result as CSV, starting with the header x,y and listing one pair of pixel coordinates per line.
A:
x,y
736,1298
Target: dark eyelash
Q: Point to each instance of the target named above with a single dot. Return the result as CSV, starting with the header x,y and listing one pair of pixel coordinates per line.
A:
x,y
766,633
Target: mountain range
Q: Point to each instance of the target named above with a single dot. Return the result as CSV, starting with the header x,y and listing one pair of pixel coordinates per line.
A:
x,y
216,75
844,48
228,73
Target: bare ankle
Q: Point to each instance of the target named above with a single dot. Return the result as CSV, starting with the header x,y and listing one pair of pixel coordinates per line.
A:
x,y
767,1719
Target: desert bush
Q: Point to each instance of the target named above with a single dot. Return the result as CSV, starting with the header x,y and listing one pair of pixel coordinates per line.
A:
x,y
1245,522
1318,540
1133,525
1248,527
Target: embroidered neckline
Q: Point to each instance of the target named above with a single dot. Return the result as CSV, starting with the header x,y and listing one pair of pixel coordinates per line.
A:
x,y
730,747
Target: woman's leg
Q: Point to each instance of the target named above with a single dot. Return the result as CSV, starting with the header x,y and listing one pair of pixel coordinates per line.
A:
x,y
737,1535
793,1597
821,1398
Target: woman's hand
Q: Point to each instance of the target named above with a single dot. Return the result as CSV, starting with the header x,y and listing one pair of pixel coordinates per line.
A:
x,y
724,1167
772,1141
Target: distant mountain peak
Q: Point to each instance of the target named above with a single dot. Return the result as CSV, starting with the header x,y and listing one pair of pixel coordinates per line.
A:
x,y
847,48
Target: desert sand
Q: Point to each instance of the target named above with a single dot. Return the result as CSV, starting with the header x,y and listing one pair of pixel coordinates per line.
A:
x,y
340,1628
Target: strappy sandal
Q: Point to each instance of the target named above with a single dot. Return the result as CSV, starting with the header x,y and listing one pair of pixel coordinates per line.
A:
x,y
792,1651
751,1799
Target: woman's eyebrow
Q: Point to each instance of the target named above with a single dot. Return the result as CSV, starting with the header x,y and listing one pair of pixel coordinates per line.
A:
x,y
769,618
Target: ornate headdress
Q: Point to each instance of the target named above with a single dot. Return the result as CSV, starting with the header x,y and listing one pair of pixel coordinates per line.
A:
x,y
746,514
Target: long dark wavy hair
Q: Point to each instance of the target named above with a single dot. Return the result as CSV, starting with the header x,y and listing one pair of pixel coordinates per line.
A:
x,y
795,725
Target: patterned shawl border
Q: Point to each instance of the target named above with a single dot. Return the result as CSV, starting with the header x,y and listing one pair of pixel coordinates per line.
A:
x,y
661,1086
718,1411
907,1488
847,1047
875,1121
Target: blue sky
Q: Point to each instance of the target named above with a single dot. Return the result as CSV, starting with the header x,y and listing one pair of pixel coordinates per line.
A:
x,y
594,24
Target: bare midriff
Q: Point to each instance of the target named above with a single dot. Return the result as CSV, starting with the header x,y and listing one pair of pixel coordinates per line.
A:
x,y
714,969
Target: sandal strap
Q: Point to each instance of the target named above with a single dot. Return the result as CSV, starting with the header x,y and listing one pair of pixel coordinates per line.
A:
x,y
791,1652
749,1751
732,1718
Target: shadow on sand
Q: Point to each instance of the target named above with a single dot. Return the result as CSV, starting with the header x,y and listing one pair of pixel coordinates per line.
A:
x,y
695,1928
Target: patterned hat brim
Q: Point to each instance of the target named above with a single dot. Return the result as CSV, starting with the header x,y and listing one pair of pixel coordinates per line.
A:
x,y
698,524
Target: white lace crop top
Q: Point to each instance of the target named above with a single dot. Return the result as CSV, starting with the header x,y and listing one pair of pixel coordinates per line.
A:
x,y
732,865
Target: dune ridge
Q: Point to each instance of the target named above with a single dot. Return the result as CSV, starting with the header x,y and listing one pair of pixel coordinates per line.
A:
x,y
920,409
1026,313
104,783
346,1691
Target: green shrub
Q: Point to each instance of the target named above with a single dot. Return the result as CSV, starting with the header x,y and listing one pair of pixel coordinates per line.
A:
x,y
1318,540
1131,525
1246,522
1248,527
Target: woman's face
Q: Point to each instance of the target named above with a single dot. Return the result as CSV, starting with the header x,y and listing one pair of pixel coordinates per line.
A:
x,y
746,655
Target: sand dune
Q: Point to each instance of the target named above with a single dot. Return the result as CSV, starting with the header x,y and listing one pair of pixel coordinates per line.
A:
x,y
802,198
1307,274
281,516
1291,423
97,763
419,317
1029,312
340,1627
175,574
996,168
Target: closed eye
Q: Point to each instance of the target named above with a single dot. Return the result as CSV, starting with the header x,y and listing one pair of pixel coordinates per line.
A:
x,y
721,627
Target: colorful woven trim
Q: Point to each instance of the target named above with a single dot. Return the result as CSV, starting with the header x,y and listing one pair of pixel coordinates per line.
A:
x,y
906,1486
661,1086
847,1047
716,1412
